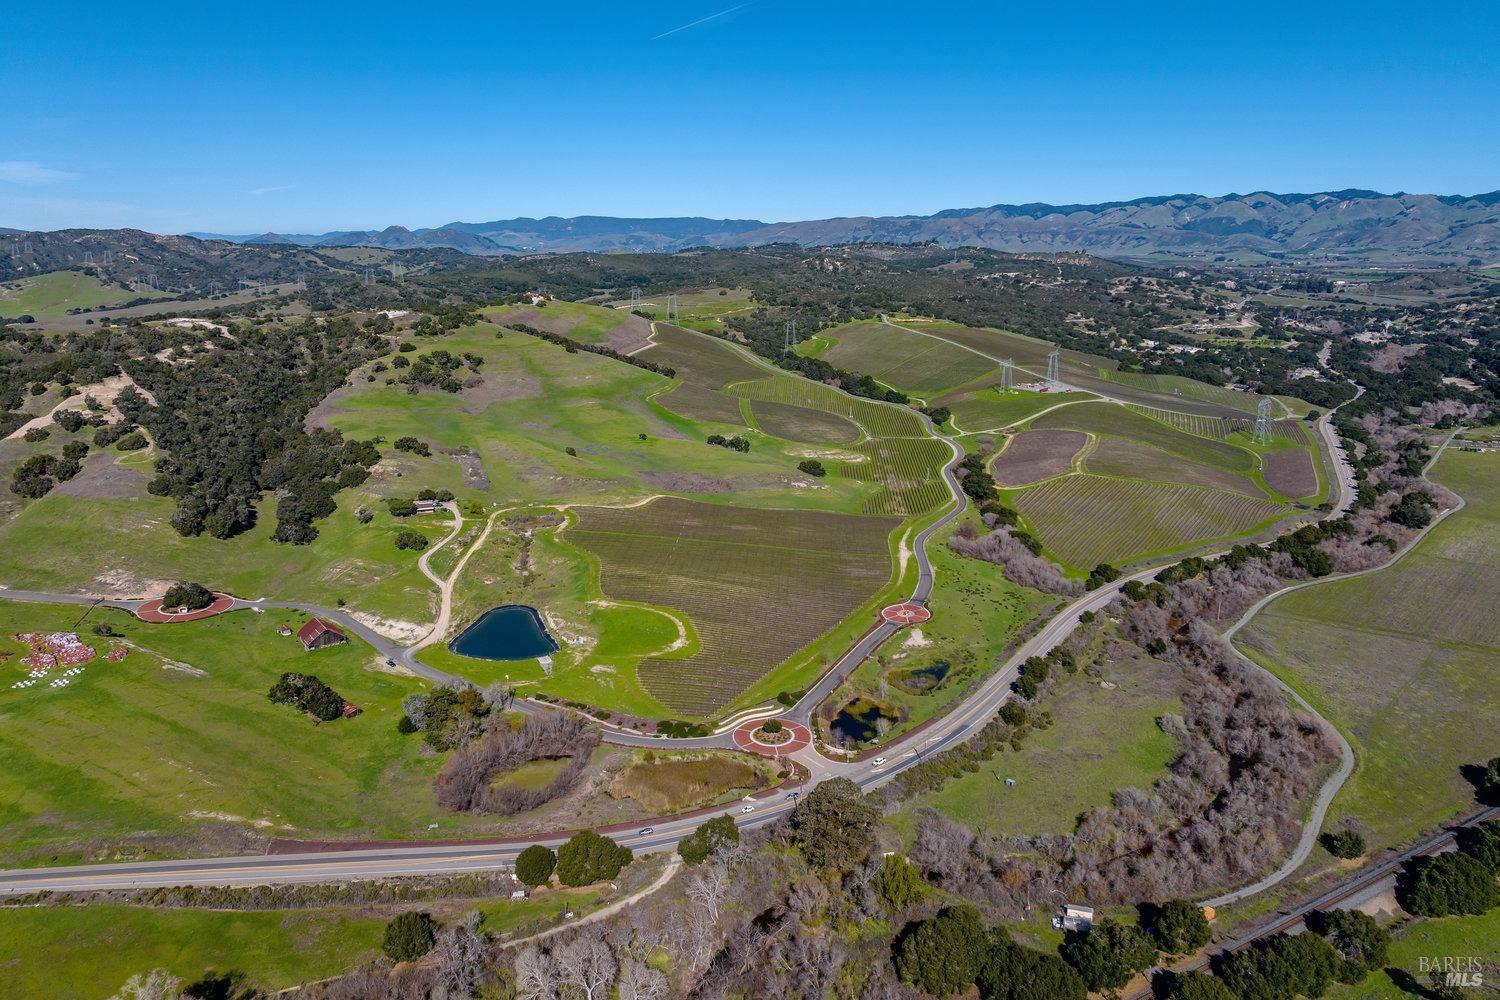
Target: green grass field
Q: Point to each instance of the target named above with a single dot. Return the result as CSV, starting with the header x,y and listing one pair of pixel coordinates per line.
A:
x,y
1407,657
695,402
1092,373
1459,937
128,547
176,748
912,362
48,296
701,360
88,952
1124,458
1100,740
537,401
757,585
704,310
877,419
801,423
1176,385
986,409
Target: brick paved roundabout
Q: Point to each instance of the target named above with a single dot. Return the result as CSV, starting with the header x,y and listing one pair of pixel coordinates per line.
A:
x,y
905,613
152,611
749,738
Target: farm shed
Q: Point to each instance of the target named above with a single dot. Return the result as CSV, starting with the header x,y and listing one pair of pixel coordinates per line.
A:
x,y
319,632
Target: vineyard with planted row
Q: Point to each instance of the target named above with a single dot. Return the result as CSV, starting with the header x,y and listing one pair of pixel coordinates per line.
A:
x,y
1220,428
878,419
758,585
1084,520
909,472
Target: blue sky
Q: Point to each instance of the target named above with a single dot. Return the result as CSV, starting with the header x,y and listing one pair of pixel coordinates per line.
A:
x,y
310,117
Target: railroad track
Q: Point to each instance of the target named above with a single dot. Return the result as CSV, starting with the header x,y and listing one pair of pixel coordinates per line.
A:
x,y
1359,884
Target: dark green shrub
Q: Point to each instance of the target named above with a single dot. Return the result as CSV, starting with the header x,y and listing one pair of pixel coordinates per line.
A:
x,y
589,857
942,956
185,594
1177,926
414,540
1346,844
535,865
409,936
709,837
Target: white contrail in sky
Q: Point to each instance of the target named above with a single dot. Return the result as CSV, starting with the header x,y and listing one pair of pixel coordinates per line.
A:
x,y
702,20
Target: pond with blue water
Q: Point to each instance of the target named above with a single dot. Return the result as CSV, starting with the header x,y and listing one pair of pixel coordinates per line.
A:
x,y
509,632
859,721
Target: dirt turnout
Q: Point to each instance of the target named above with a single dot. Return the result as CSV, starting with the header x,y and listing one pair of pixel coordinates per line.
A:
x,y
1034,455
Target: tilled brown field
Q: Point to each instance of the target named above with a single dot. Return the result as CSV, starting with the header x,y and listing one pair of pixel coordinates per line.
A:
x,y
1035,455
1291,473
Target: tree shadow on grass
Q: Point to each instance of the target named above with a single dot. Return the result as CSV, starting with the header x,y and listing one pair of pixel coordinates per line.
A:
x,y
221,986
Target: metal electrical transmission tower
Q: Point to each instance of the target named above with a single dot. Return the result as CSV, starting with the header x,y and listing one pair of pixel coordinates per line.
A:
x,y
789,341
635,299
1007,375
1263,421
674,314
1052,364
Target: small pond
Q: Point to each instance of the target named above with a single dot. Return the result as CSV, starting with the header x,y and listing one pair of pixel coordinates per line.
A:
x,y
921,680
509,632
856,721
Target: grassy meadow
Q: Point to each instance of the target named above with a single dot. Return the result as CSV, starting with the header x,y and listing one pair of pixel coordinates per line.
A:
x,y
1101,739
176,748
88,952
50,295
1459,937
1406,657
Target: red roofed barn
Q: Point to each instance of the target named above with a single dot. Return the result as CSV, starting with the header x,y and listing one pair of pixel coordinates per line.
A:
x,y
319,632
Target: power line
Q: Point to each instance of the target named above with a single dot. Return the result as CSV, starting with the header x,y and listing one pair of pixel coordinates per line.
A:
x,y
1263,421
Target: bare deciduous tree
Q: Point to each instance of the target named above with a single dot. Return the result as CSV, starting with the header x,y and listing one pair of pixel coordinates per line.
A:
x,y
158,984
458,960
639,981
586,965
708,885
537,976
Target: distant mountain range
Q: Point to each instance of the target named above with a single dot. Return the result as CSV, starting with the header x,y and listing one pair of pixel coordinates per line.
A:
x,y
1346,224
